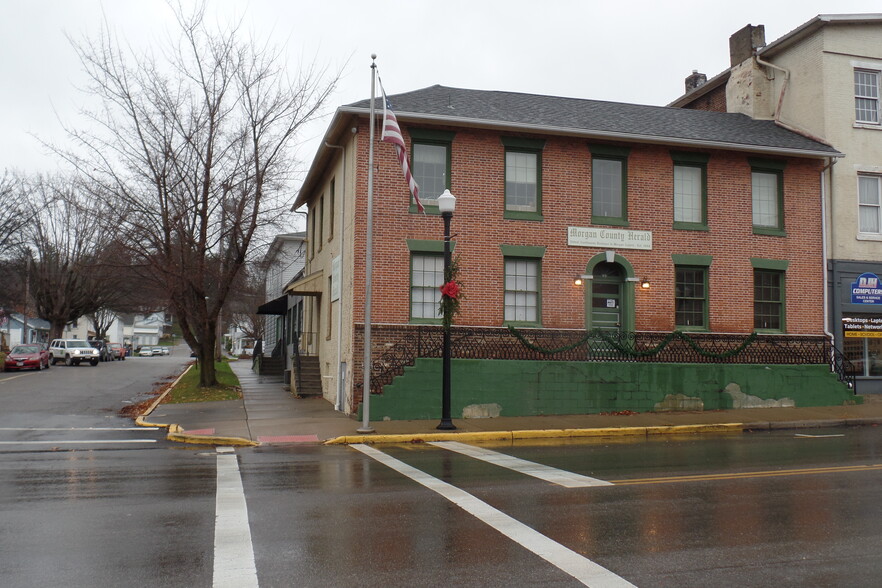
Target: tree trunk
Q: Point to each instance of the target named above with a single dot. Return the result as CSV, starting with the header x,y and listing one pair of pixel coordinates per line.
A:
x,y
207,377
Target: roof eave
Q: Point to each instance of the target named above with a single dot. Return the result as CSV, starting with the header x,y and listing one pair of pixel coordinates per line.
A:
x,y
609,135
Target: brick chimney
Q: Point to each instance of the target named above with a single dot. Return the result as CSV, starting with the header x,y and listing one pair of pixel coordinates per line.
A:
x,y
696,80
744,43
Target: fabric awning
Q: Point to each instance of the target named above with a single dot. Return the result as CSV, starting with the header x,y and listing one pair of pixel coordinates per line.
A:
x,y
311,285
278,306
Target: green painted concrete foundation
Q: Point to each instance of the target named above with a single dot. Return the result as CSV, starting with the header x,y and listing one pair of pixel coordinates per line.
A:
x,y
484,387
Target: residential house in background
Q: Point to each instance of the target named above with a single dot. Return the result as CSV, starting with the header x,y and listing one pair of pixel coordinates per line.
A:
x,y
283,262
140,329
16,330
824,80
613,256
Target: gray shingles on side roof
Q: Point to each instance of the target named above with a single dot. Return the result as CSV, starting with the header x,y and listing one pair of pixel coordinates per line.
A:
x,y
616,118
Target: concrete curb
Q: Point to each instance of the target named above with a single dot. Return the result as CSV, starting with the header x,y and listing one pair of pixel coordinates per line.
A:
x,y
539,434
175,432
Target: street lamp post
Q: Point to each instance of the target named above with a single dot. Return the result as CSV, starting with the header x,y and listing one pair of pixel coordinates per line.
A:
x,y
446,204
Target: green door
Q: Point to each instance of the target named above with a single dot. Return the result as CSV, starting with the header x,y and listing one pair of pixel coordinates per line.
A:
x,y
606,297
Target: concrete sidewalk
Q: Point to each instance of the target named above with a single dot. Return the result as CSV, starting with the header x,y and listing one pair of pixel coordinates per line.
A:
x,y
270,414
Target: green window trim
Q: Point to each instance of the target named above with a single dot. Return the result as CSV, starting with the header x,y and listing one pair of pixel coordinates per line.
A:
x,y
781,302
429,251
428,246
523,143
780,265
694,260
698,161
431,137
527,251
705,310
532,257
776,167
610,153
531,147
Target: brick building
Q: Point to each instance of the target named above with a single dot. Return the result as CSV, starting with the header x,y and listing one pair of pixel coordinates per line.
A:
x,y
572,217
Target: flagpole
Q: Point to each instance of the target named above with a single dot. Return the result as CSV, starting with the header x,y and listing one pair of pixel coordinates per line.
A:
x,y
368,270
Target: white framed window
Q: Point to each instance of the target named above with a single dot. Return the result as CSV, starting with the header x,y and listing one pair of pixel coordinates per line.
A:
x,y
688,202
866,96
870,204
426,278
765,199
521,181
522,290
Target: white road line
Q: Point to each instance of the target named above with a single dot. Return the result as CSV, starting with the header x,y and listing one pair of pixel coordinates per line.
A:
x,y
233,551
79,428
528,468
565,559
79,442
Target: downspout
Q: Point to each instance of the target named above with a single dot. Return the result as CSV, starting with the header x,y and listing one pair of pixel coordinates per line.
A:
x,y
338,405
825,240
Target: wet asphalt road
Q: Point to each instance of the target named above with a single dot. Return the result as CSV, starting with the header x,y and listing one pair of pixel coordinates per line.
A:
x,y
87,501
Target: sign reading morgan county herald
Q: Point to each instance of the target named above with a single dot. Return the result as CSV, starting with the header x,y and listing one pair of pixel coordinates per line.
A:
x,y
866,290
609,238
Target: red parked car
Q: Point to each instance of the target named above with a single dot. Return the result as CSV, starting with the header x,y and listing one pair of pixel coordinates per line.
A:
x,y
29,356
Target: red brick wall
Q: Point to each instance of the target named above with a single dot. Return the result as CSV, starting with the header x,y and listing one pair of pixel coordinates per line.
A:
x,y
714,100
479,228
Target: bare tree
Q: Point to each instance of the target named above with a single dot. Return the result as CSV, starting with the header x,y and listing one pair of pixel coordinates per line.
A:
x,y
245,297
198,148
14,213
65,249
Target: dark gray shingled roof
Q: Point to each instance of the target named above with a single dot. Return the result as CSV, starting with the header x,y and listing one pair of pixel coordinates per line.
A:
x,y
613,119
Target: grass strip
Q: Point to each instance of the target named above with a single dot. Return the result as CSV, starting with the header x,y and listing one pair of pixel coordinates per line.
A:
x,y
188,389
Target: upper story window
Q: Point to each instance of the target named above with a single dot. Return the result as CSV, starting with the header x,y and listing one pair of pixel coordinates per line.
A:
x,y
431,164
767,189
869,204
690,190
333,213
609,185
523,178
866,96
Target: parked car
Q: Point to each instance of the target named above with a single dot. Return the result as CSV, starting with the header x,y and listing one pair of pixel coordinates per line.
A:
x,y
163,350
104,352
145,351
119,352
28,356
73,352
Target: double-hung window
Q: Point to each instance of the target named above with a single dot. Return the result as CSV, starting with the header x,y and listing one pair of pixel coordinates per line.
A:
x,y
690,297
523,284
767,192
866,96
690,190
426,278
609,185
768,294
870,204
523,178
431,164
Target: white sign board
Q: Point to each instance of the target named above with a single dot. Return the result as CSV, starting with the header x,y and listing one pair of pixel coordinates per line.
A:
x,y
335,278
609,238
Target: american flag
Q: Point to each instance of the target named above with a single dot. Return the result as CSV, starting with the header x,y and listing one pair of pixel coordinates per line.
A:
x,y
392,134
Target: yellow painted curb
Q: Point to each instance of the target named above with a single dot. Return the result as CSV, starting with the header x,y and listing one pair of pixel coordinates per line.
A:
x,y
538,434
210,440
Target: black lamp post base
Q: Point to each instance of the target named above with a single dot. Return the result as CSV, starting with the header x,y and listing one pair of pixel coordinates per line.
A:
x,y
446,425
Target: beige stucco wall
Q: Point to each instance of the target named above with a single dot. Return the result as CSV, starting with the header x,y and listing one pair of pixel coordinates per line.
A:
x,y
819,99
318,317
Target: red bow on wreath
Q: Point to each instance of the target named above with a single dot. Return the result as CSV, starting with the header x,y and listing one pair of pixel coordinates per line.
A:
x,y
450,289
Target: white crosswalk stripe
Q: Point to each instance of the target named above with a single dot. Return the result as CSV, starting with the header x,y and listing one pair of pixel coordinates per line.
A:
x,y
528,468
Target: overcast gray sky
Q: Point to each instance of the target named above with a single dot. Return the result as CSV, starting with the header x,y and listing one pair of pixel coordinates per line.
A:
x,y
638,51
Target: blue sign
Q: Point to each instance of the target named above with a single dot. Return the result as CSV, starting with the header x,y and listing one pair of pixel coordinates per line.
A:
x,y
866,290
